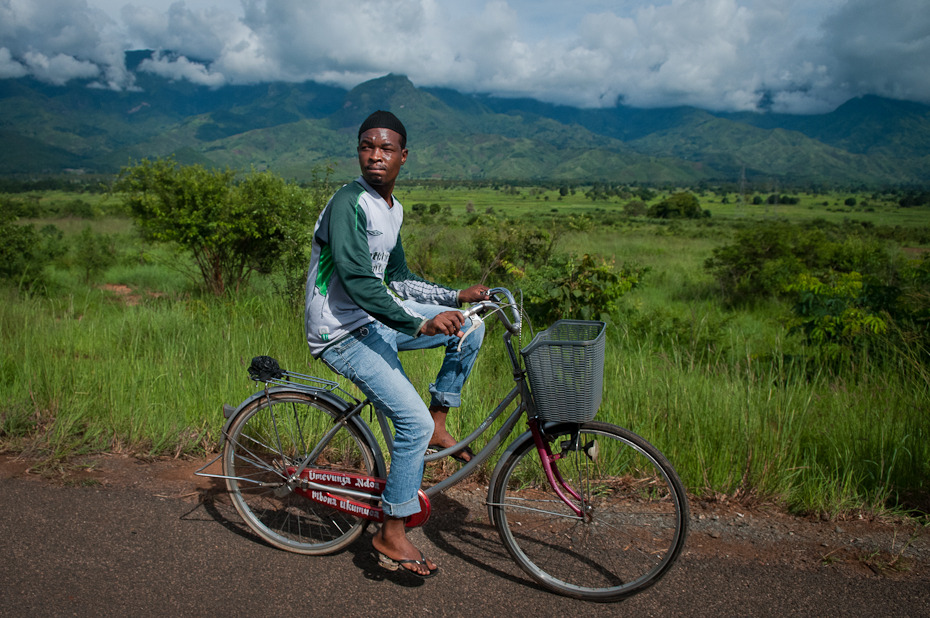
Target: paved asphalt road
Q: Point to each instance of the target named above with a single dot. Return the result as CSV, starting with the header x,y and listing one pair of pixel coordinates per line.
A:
x,y
97,551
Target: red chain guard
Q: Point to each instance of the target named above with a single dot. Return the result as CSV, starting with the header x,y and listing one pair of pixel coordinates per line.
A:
x,y
357,482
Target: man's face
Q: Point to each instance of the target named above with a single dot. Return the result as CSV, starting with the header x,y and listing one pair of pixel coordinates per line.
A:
x,y
380,156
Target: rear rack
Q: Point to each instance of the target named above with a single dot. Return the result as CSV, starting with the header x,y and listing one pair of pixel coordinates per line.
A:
x,y
304,382
266,370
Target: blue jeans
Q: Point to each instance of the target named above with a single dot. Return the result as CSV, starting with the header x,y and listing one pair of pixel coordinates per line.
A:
x,y
368,356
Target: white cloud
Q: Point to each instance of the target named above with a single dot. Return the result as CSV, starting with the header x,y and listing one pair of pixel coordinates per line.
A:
x,y
59,69
791,55
183,69
9,67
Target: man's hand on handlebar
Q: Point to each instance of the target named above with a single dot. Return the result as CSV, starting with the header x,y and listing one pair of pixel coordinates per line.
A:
x,y
446,323
474,294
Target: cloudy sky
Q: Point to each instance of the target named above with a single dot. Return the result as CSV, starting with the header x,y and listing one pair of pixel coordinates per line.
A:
x,y
799,56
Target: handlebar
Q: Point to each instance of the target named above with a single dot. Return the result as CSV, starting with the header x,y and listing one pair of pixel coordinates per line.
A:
x,y
496,306
512,323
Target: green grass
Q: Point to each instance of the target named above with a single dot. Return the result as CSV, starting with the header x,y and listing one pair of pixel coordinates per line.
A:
x,y
723,393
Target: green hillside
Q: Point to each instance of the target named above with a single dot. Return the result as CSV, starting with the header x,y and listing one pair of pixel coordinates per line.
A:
x,y
291,128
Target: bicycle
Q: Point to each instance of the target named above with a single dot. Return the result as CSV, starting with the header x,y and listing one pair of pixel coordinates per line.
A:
x,y
588,509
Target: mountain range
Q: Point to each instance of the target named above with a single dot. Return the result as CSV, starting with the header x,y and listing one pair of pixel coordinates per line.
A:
x,y
293,128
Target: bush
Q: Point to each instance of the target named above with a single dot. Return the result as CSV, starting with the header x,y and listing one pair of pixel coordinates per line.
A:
x,y
849,294
764,259
835,316
25,252
578,288
759,263
78,208
635,208
682,205
93,253
501,248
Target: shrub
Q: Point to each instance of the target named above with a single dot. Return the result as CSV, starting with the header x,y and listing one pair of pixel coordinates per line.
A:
x,y
764,259
93,253
25,252
759,263
681,205
835,316
635,208
500,246
579,288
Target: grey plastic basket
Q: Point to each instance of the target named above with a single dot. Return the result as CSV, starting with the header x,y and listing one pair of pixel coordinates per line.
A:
x,y
565,366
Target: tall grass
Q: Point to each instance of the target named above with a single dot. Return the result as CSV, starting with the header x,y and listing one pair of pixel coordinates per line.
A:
x,y
87,371
765,428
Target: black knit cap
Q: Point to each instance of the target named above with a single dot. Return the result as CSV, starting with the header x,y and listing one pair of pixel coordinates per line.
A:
x,y
383,120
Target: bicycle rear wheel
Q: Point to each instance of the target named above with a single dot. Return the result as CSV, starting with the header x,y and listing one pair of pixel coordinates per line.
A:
x,y
635,512
276,432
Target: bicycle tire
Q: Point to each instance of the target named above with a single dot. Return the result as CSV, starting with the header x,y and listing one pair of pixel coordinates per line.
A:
x,y
275,432
636,518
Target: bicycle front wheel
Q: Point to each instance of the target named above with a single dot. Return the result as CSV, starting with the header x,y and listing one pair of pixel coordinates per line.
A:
x,y
277,432
634,520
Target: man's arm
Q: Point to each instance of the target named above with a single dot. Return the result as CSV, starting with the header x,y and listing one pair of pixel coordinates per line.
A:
x,y
407,284
348,238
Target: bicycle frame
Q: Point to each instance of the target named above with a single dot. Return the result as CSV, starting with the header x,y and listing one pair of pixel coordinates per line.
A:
x,y
337,489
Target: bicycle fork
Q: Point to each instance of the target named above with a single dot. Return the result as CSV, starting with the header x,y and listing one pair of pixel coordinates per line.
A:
x,y
554,477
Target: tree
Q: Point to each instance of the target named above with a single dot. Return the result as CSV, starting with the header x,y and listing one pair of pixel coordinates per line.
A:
x,y
231,229
681,205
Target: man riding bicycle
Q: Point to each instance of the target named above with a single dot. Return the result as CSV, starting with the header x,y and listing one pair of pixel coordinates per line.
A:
x,y
363,306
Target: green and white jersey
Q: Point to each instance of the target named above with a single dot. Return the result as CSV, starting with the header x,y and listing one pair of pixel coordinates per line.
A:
x,y
356,255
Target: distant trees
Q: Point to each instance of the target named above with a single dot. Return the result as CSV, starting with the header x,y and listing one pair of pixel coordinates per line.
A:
x,y
915,198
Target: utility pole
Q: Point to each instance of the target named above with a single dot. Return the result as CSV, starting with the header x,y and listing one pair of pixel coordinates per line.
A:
x,y
741,200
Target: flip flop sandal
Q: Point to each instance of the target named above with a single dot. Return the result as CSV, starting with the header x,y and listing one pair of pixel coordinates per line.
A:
x,y
390,564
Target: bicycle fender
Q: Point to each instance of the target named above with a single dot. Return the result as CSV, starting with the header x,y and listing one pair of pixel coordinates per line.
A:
x,y
324,395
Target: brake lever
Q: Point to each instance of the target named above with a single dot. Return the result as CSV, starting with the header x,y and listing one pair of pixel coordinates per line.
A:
x,y
476,323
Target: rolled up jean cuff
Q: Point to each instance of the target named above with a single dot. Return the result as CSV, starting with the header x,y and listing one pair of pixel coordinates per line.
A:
x,y
447,400
405,509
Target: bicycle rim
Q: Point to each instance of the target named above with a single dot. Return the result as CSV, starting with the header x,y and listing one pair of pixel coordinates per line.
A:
x,y
263,441
635,520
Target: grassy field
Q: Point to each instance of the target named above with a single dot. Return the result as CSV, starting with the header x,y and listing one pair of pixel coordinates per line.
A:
x,y
139,361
